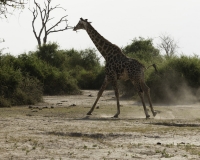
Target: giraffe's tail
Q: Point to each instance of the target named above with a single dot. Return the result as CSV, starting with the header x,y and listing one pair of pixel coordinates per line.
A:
x,y
154,66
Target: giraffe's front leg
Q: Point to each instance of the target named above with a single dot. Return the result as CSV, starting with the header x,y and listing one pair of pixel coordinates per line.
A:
x,y
105,83
117,98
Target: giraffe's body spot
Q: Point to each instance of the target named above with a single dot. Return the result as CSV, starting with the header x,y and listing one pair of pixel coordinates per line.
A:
x,y
124,76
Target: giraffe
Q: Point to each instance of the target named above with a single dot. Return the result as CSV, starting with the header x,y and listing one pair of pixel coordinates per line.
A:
x,y
117,67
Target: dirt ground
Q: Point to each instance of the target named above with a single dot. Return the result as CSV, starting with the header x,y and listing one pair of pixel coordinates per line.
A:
x,y
59,129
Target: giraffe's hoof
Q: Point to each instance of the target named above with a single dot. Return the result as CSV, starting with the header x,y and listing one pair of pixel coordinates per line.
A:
x,y
154,113
147,116
115,116
89,113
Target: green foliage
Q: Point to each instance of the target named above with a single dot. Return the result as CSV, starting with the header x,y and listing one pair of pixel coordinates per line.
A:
x,y
87,59
85,67
63,71
10,80
28,92
16,88
90,61
143,50
51,54
54,79
50,71
57,82
189,67
178,80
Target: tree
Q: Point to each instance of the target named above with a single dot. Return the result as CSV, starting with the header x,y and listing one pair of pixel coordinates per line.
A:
x,y
6,4
44,14
142,49
1,49
168,44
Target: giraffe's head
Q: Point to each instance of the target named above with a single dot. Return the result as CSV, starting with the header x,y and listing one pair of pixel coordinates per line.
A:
x,y
82,24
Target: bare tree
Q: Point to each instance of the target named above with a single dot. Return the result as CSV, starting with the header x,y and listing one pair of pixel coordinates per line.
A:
x,y
6,5
44,14
1,41
168,44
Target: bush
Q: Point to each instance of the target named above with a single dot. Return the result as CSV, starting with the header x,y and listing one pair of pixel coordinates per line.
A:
x,y
51,54
29,92
85,67
178,80
55,80
4,102
15,87
142,50
47,71
10,78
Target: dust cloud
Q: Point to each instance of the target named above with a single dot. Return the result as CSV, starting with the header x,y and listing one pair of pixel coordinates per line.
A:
x,y
183,94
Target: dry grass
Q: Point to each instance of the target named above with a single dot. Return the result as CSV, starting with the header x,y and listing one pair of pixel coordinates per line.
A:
x,y
68,133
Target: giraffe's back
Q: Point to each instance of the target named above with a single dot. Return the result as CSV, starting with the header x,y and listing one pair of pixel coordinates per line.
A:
x,y
124,68
135,69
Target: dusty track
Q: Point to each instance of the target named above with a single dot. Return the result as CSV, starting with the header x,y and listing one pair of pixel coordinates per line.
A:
x,y
60,129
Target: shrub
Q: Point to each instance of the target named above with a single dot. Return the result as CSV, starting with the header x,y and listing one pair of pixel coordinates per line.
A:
x,y
178,80
142,50
30,91
85,67
54,80
15,87
51,54
4,102
57,82
10,79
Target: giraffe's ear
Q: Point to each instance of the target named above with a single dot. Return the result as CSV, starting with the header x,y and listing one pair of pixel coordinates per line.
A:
x,y
81,19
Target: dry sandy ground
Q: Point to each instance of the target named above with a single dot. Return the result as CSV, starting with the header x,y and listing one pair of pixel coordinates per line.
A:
x,y
59,129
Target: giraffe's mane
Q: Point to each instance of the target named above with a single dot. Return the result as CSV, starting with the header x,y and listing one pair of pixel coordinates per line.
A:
x,y
89,24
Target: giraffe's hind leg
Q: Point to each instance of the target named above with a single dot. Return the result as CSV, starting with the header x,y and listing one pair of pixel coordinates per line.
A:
x,y
147,92
141,95
105,83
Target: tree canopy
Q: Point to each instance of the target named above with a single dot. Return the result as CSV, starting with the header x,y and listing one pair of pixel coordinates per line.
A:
x,y
142,49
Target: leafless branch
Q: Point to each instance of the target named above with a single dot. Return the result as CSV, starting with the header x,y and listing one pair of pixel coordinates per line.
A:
x,y
45,18
53,27
168,44
14,4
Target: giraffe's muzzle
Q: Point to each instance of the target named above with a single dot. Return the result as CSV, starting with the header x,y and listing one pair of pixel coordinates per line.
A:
x,y
74,29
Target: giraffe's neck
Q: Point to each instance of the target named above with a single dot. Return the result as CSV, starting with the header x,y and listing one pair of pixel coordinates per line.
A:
x,y
105,47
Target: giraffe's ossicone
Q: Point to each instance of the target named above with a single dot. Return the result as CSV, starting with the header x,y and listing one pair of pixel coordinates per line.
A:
x,y
118,66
